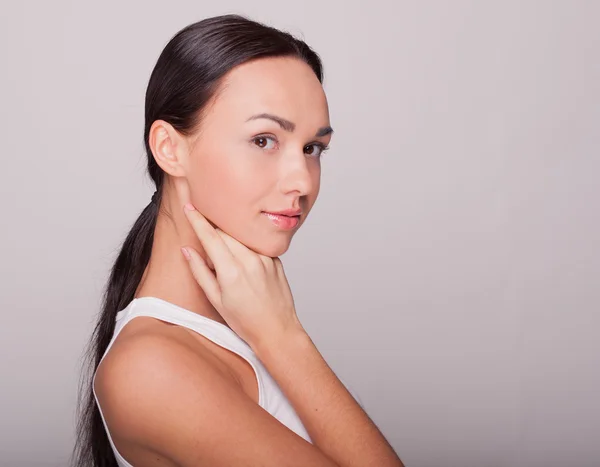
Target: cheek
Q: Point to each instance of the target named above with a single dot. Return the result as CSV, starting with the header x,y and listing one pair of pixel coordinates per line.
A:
x,y
315,186
230,188
226,189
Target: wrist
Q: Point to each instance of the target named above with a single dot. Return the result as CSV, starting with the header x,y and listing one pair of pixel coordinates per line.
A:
x,y
274,343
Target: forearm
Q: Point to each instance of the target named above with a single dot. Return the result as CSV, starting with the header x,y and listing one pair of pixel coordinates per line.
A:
x,y
334,420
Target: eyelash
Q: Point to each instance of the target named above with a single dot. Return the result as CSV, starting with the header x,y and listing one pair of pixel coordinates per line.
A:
x,y
321,146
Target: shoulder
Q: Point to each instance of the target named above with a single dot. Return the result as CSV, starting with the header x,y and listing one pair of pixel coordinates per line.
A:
x,y
147,350
151,374
146,339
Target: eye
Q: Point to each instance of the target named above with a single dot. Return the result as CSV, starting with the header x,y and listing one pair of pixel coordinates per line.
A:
x,y
320,147
262,141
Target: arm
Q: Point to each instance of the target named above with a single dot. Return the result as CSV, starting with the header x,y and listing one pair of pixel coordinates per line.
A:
x,y
164,402
252,294
334,420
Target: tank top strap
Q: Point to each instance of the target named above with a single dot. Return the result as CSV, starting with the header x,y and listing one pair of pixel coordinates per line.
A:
x,y
169,312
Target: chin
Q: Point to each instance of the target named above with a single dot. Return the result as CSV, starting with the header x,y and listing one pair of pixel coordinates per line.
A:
x,y
265,242
273,248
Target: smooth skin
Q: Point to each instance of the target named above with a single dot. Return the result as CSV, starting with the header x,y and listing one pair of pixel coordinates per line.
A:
x,y
174,398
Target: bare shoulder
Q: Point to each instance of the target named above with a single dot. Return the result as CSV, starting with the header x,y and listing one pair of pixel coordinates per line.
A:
x,y
148,348
150,364
167,402
149,344
148,340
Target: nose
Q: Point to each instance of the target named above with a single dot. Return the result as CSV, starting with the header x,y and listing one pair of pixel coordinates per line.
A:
x,y
297,174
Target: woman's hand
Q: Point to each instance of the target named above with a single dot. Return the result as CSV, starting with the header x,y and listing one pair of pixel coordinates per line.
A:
x,y
248,289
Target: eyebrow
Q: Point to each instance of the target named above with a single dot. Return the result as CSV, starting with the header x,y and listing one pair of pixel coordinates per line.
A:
x,y
289,126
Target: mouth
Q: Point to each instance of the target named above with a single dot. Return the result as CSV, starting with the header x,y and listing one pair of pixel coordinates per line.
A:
x,y
282,221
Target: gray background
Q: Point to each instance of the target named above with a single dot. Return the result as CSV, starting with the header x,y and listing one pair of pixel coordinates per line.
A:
x,y
449,271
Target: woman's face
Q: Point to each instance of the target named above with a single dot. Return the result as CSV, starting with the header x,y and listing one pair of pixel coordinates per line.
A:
x,y
242,165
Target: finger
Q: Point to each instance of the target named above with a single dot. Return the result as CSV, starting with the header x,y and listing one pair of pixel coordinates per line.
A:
x,y
252,260
208,261
204,277
278,265
279,269
238,249
213,245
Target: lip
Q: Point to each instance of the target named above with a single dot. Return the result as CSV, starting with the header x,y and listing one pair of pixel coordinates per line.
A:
x,y
286,212
282,221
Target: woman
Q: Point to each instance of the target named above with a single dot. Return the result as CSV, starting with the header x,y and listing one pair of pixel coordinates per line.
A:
x,y
198,356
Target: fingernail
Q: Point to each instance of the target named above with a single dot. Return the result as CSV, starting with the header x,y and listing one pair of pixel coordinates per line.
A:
x,y
189,207
186,253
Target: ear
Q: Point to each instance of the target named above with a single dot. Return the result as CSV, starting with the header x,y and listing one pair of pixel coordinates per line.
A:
x,y
169,148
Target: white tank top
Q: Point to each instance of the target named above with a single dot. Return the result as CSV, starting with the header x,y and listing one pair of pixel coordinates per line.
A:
x,y
270,396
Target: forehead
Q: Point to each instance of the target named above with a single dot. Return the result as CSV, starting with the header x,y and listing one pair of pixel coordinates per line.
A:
x,y
282,85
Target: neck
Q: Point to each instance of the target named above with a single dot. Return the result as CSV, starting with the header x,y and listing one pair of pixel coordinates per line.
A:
x,y
168,275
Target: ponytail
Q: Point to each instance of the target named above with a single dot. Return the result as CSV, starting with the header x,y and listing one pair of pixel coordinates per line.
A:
x,y
125,276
